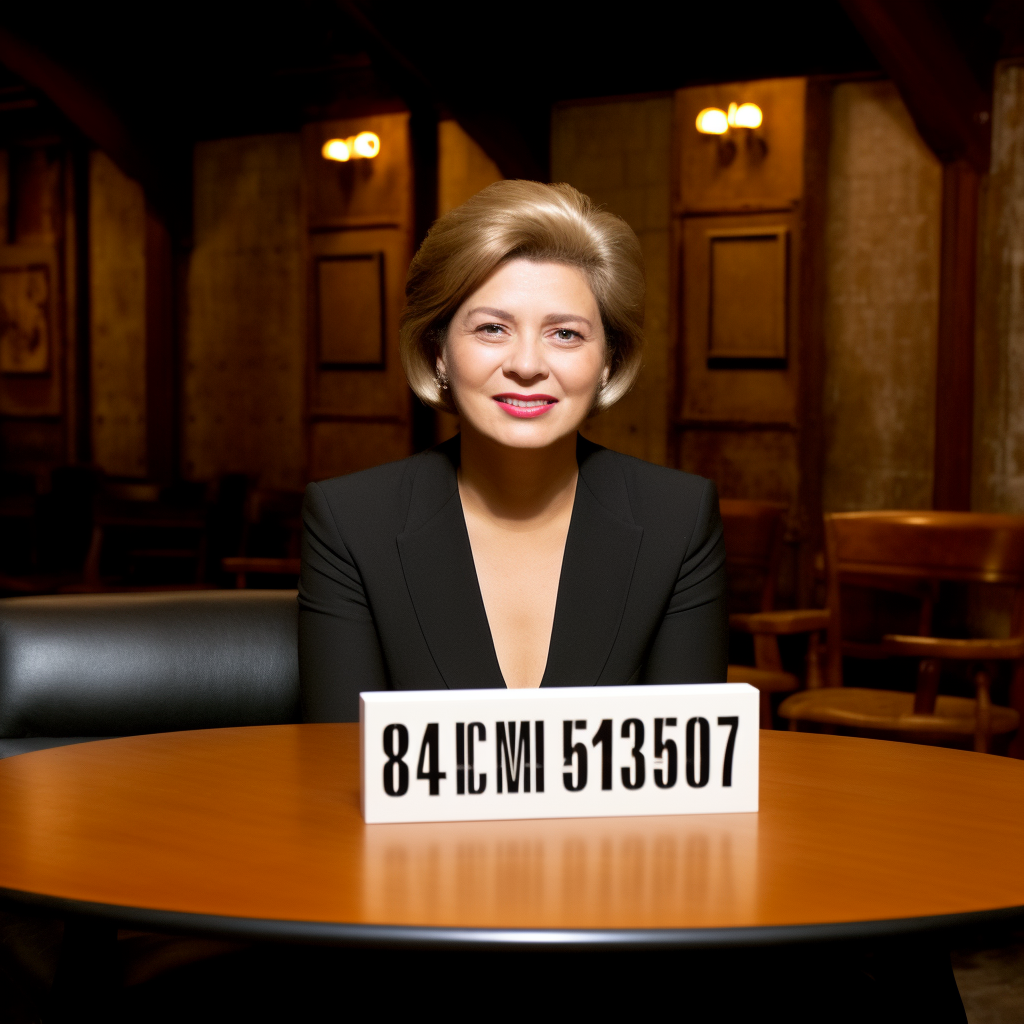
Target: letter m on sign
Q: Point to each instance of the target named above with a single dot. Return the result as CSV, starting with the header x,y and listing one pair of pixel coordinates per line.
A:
x,y
506,745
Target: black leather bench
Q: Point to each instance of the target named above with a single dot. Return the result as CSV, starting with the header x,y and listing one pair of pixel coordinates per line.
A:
x,y
83,667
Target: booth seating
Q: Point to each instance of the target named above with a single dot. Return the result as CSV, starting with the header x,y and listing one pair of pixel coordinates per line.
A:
x,y
79,667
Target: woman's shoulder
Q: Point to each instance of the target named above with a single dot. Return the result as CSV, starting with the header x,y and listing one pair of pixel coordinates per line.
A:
x,y
652,490
380,497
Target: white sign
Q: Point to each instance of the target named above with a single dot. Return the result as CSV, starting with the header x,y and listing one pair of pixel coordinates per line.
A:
x,y
569,752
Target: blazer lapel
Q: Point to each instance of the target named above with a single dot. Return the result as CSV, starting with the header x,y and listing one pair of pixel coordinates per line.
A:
x,y
597,569
441,576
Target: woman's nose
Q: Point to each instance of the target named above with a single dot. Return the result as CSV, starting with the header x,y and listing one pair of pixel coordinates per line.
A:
x,y
525,360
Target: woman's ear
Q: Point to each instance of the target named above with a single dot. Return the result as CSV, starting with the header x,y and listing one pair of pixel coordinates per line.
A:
x,y
606,374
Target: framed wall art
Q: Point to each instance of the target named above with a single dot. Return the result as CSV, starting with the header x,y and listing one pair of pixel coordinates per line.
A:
x,y
25,299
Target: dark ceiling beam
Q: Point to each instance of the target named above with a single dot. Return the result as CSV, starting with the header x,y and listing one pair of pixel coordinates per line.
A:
x,y
952,111
86,110
498,136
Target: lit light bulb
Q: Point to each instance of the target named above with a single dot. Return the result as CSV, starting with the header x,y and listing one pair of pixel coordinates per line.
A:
x,y
366,144
712,121
745,115
337,149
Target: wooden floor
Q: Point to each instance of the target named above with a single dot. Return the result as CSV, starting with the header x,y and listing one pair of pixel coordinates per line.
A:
x,y
991,982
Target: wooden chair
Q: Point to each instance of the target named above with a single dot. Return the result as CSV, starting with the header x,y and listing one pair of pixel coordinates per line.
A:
x,y
753,550
912,553
271,538
145,530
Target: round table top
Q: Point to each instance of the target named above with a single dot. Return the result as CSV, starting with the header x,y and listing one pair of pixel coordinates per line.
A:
x,y
257,831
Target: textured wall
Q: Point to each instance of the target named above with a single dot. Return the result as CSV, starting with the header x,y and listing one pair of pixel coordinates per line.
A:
x,y
999,367
881,318
463,168
244,359
117,255
619,154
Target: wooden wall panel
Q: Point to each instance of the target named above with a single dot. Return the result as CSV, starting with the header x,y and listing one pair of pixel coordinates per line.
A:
x,y
347,446
245,339
765,170
117,303
746,335
5,196
761,464
31,349
718,390
463,169
359,192
337,390
618,152
881,317
33,340
749,303
359,223
349,301
36,178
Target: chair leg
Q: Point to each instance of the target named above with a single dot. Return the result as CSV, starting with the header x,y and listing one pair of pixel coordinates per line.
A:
x,y
794,725
1017,701
766,709
928,672
766,652
983,721
814,677
91,568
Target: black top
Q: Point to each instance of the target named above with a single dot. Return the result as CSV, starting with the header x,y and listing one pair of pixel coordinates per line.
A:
x,y
389,599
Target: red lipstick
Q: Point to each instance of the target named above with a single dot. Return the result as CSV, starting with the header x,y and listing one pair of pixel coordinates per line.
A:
x,y
526,406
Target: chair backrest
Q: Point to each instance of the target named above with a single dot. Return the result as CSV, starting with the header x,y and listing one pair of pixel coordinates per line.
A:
x,y
908,550
119,664
753,543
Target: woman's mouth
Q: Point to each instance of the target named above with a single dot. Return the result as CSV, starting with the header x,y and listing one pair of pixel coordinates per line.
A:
x,y
526,406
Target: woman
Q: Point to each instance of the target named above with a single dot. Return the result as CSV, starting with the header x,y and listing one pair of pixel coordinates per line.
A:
x,y
517,554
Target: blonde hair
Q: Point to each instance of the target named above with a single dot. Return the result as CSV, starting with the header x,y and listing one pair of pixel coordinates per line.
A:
x,y
523,220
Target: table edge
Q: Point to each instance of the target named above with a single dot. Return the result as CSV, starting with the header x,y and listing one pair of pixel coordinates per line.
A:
x,y
332,933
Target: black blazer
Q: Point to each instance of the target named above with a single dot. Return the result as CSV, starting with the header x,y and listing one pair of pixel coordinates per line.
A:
x,y
388,597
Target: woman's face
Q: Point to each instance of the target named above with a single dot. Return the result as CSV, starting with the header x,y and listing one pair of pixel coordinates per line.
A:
x,y
526,353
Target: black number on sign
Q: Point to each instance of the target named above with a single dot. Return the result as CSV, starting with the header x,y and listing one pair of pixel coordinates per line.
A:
x,y
395,760
733,722
428,753
635,726
569,750
665,748
604,737
705,752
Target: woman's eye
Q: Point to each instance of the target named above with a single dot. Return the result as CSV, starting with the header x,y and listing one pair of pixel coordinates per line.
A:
x,y
565,334
492,329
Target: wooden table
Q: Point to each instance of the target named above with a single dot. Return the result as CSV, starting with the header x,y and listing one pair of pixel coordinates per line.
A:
x,y
256,832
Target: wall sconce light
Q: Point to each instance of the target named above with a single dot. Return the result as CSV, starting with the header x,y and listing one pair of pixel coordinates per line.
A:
x,y
364,146
714,121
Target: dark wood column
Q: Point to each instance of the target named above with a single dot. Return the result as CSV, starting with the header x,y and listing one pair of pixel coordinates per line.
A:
x,y
954,371
161,361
